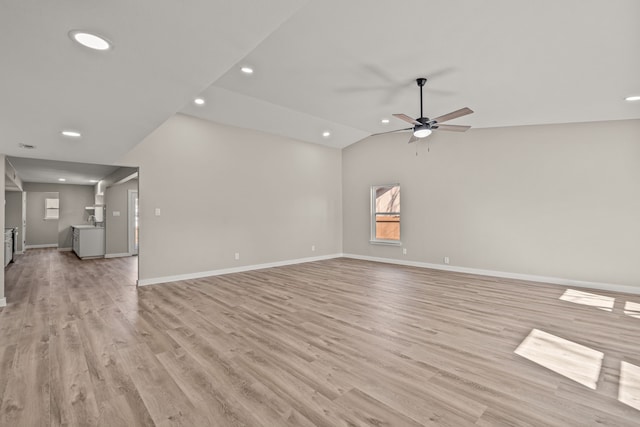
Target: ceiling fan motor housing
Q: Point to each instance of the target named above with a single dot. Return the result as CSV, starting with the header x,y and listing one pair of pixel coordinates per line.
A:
x,y
423,130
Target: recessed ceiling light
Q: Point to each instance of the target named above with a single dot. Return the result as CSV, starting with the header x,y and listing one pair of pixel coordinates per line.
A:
x,y
198,101
384,121
247,70
26,146
71,133
326,134
61,179
632,98
90,40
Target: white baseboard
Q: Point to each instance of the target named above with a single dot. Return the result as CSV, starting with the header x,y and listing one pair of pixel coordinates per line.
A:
x,y
456,269
199,275
49,245
121,255
65,249
3,302
19,252
518,276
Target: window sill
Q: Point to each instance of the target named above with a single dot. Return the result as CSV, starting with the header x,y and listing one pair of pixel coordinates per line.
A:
x,y
386,242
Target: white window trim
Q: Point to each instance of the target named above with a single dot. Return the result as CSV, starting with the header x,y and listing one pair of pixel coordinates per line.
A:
x,y
372,219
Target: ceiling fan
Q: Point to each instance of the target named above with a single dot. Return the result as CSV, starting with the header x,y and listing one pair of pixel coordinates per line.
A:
x,y
423,126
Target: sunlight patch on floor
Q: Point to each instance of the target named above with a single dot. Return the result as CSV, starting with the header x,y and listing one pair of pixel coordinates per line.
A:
x,y
632,309
586,298
629,389
572,360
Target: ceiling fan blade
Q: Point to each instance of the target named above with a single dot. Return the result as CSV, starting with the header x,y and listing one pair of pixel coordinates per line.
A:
x,y
412,139
453,128
392,131
407,119
453,115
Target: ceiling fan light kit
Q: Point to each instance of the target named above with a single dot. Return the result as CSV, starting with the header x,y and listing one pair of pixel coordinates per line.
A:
x,y
423,126
421,131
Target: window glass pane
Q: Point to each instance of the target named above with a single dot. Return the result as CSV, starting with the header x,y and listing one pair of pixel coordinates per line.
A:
x,y
51,214
387,227
388,199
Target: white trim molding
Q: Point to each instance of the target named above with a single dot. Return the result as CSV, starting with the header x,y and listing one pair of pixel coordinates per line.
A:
x,y
199,275
48,245
518,276
121,255
456,269
131,220
3,302
65,249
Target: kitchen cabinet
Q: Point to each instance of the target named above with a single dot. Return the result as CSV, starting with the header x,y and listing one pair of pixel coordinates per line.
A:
x,y
88,241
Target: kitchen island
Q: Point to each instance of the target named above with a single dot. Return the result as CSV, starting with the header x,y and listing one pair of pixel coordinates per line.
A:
x,y
88,241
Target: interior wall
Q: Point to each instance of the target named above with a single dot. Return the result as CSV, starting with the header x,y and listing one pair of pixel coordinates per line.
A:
x,y
40,231
73,200
117,226
552,200
3,300
223,190
13,214
117,176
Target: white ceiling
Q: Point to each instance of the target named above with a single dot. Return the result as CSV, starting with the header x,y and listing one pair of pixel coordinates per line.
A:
x,y
319,65
165,51
49,171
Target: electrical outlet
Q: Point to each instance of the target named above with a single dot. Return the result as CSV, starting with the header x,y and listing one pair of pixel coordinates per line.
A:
x,y
237,256
157,211
404,251
313,248
446,260
116,213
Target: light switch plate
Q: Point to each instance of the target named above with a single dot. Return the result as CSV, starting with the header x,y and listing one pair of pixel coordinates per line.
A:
x,y
116,213
157,211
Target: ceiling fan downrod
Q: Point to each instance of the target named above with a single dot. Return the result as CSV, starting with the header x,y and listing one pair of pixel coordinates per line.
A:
x,y
421,82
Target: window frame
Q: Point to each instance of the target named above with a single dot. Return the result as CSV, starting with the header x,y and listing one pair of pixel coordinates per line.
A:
x,y
374,213
51,208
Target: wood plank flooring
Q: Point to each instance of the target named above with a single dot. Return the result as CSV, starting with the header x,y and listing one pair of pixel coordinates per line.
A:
x,y
332,343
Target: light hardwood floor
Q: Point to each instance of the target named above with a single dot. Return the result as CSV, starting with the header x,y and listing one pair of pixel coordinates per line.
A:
x,y
332,343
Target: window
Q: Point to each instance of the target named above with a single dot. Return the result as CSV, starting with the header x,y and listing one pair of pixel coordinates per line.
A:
x,y
51,208
385,214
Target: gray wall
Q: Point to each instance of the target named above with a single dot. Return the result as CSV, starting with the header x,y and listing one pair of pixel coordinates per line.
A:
x,y
13,214
557,200
73,200
117,227
223,190
116,176
40,231
2,221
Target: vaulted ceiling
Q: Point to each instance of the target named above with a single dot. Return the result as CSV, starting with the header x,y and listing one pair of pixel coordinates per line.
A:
x,y
319,65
